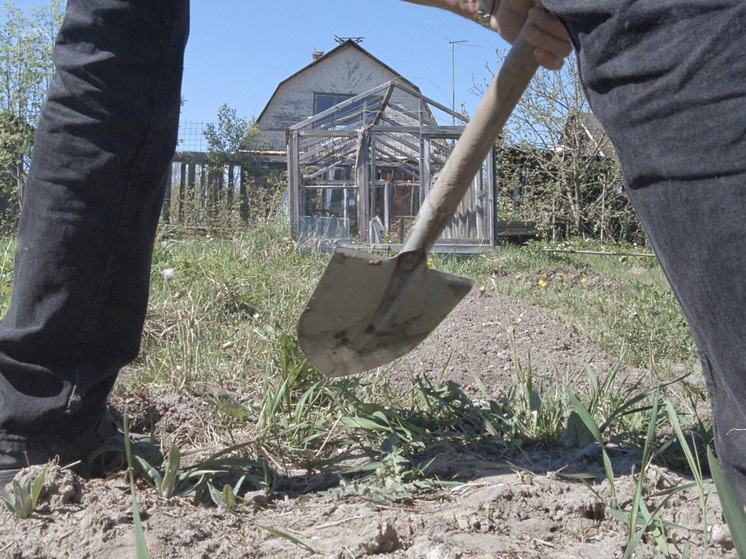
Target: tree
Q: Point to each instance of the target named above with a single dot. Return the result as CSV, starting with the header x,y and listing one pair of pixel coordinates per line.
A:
x,y
16,136
558,168
230,142
26,68
231,136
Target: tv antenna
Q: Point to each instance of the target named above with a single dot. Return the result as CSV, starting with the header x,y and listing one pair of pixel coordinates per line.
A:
x,y
453,44
356,40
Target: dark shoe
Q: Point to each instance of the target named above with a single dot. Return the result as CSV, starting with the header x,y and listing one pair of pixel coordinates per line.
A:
x,y
98,452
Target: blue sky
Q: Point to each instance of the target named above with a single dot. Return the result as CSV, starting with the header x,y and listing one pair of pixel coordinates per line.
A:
x,y
239,50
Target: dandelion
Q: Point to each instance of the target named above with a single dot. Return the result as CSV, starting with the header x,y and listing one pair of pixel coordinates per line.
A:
x,y
584,280
518,276
168,274
429,261
542,283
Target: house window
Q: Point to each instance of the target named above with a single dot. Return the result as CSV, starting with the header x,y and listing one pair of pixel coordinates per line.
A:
x,y
324,101
349,116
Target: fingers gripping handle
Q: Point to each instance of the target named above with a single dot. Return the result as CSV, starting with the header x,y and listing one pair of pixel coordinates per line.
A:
x,y
475,142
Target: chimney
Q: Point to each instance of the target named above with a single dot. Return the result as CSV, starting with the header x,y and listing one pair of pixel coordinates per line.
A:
x,y
317,54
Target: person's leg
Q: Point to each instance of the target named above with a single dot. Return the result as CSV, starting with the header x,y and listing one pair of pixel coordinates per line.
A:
x,y
698,231
666,80
93,195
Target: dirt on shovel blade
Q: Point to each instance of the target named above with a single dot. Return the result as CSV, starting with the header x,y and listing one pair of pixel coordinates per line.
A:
x,y
368,310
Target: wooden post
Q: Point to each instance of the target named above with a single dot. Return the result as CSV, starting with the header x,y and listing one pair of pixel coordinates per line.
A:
x,y
425,176
244,196
490,204
387,206
372,175
294,184
231,186
362,182
425,147
212,183
166,208
203,190
192,181
182,191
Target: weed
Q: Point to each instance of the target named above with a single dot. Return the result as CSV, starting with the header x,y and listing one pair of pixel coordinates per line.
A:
x,y
141,550
636,513
227,496
22,499
284,534
732,507
170,482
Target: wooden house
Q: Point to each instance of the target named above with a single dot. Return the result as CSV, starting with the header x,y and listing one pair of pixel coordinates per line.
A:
x,y
330,78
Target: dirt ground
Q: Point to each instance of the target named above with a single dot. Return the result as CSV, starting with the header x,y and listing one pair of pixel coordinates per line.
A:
x,y
533,507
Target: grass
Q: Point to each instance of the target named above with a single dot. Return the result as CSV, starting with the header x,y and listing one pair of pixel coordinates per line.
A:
x,y
222,313
221,316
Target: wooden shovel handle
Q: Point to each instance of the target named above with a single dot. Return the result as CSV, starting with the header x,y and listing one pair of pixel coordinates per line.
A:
x,y
475,142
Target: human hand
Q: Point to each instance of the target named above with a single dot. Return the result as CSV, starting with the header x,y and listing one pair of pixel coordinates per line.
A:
x,y
543,30
540,27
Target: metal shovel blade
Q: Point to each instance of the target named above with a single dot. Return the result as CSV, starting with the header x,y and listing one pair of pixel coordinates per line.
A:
x,y
368,310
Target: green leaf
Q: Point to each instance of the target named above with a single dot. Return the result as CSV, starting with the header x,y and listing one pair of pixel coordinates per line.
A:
x,y
585,417
284,534
215,495
23,508
151,471
141,550
37,486
170,476
229,497
7,499
363,423
732,507
576,434
690,458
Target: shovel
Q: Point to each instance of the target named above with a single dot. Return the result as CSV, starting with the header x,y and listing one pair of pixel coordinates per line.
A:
x,y
368,310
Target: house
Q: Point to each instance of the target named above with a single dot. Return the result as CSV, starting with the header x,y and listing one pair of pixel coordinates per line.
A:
x,y
329,78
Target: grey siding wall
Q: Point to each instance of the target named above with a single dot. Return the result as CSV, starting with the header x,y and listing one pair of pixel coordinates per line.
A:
x,y
346,72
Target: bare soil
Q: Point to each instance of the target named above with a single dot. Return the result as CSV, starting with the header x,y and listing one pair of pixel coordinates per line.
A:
x,y
530,505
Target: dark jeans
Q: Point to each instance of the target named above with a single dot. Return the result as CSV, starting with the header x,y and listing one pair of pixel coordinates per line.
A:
x,y
667,79
96,182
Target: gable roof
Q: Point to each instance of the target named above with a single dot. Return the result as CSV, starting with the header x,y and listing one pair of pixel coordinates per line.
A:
x,y
349,43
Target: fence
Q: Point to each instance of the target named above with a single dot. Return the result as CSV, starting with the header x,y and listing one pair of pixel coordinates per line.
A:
x,y
201,192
